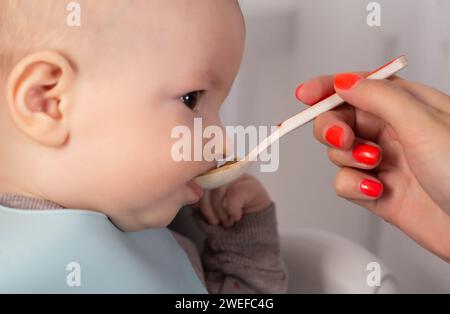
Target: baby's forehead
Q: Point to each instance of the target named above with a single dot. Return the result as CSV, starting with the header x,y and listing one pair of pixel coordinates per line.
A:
x,y
30,25
31,17
34,19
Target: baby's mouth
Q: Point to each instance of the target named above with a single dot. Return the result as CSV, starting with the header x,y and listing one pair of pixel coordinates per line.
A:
x,y
195,188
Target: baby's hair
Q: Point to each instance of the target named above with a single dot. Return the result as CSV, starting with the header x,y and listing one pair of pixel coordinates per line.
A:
x,y
25,25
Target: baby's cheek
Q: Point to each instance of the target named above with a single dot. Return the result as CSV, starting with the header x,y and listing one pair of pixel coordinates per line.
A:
x,y
133,162
128,173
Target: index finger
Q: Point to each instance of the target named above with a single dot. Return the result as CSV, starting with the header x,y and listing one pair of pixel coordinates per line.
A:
x,y
317,89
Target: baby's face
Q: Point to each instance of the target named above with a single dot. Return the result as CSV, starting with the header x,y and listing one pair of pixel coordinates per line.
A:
x,y
129,99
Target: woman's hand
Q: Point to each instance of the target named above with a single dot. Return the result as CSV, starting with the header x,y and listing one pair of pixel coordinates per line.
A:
x,y
392,144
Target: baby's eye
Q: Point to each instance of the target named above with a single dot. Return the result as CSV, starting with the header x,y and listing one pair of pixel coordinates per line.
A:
x,y
191,99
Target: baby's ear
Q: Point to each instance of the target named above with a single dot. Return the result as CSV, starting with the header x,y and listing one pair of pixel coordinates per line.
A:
x,y
38,95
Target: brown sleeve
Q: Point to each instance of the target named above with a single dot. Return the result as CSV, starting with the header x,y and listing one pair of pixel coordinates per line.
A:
x,y
245,258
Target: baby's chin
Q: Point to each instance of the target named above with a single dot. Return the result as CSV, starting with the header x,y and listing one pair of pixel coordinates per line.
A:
x,y
152,218
159,214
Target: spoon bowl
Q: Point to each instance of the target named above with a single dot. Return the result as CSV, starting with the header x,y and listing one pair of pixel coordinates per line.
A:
x,y
222,175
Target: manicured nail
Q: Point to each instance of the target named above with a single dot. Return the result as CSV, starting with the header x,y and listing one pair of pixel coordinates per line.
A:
x,y
334,136
366,154
297,91
346,80
371,188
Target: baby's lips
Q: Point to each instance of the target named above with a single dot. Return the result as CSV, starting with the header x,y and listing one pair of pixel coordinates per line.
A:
x,y
195,188
196,205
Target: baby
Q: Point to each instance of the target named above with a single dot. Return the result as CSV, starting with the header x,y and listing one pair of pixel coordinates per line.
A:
x,y
86,115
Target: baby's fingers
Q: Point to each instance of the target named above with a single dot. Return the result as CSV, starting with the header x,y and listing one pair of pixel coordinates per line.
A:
x,y
235,201
217,197
234,209
207,210
355,185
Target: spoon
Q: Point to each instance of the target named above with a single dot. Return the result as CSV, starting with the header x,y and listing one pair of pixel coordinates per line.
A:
x,y
230,171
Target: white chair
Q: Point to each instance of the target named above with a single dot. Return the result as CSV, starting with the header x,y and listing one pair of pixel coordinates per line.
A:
x,y
323,262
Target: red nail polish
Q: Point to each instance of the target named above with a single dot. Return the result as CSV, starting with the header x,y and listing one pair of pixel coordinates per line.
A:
x,y
297,92
334,136
366,154
280,124
371,188
346,80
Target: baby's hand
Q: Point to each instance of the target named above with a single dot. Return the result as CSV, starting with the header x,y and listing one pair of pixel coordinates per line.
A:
x,y
227,205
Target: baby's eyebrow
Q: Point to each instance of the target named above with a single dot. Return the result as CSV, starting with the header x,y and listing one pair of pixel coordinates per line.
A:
x,y
208,77
215,79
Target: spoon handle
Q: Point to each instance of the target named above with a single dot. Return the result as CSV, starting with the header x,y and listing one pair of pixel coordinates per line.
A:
x,y
327,104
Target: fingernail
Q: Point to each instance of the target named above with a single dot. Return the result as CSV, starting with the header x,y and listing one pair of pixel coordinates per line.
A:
x,y
346,81
371,188
297,91
366,154
334,136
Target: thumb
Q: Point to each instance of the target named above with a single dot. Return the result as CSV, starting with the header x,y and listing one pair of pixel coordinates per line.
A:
x,y
386,100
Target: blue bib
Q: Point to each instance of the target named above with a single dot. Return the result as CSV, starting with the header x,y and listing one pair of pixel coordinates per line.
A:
x,y
76,251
